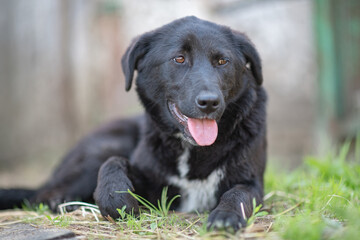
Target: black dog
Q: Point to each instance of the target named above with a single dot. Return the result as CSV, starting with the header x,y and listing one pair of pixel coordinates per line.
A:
x,y
203,134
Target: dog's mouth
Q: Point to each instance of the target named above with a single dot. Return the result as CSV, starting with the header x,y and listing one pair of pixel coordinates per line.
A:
x,y
204,131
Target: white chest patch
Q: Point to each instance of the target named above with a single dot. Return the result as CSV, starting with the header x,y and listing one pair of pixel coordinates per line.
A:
x,y
196,195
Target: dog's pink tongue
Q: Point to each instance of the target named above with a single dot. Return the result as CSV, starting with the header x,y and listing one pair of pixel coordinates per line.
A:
x,y
204,131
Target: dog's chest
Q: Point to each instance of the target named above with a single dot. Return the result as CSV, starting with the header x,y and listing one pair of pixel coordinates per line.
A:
x,y
196,194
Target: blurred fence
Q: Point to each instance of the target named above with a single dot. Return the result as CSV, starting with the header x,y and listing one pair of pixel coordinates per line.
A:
x,y
60,74
338,43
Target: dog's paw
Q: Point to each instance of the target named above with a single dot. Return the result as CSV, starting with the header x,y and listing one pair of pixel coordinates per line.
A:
x,y
111,190
53,198
225,220
109,204
54,203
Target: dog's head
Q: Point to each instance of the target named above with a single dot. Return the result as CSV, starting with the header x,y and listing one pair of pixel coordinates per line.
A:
x,y
188,72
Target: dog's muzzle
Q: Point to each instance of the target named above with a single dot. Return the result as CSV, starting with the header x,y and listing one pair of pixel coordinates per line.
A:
x,y
203,131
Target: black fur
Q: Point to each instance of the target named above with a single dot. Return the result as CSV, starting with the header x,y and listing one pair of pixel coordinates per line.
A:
x,y
154,142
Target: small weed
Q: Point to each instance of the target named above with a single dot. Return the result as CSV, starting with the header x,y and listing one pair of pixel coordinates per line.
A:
x,y
40,209
62,221
122,212
256,213
163,205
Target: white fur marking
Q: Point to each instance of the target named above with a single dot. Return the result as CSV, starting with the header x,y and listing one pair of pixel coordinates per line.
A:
x,y
183,167
179,135
198,195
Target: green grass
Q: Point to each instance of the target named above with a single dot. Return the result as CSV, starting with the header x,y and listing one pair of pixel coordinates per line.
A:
x,y
319,200
163,205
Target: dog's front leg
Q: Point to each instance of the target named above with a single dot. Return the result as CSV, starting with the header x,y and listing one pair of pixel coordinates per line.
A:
x,y
113,177
235,207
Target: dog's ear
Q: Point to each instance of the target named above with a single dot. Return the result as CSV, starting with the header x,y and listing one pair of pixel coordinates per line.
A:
x,y
252,57
135,52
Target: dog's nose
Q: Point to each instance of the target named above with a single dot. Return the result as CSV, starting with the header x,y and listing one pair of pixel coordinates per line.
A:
x,y
207,101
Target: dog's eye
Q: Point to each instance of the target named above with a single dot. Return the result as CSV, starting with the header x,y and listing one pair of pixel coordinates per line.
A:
x,y
179,59
223,61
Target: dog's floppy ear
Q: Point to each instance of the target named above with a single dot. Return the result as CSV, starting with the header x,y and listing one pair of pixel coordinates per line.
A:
x,y
129,62
252,57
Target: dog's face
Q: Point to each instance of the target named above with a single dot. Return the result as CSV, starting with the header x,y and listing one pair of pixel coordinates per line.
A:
x,y
188,73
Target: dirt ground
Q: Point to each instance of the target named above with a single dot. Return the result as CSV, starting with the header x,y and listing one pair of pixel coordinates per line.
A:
x,y
19,224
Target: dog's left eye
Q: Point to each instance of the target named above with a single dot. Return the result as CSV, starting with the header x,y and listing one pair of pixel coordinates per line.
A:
x,y
223,61
179,59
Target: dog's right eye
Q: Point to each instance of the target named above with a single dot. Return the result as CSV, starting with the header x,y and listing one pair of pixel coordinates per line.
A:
x,y
179,59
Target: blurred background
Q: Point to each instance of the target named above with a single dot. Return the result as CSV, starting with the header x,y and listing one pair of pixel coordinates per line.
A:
x,y
60,74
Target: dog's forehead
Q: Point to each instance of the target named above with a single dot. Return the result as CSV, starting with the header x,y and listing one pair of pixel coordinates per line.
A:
x,y
200,37
192,30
